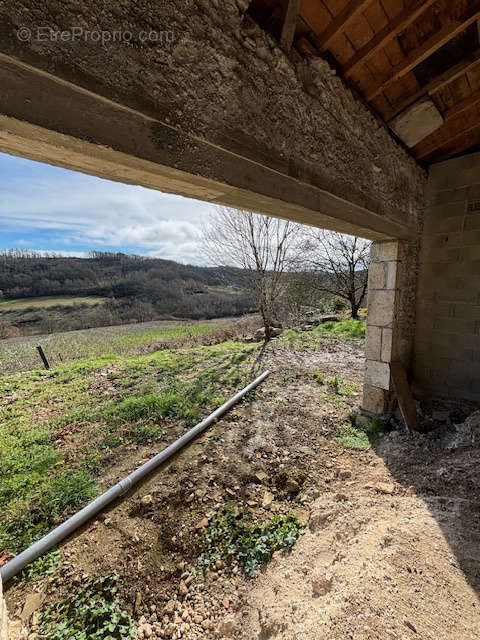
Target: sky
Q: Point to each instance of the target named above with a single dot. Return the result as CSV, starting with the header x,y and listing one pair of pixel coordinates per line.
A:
x,y
45,208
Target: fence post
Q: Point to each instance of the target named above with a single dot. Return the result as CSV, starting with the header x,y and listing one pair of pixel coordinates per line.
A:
x,y
43,357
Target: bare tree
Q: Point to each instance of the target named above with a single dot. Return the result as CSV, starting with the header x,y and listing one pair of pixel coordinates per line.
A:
x,y
340,265
258,247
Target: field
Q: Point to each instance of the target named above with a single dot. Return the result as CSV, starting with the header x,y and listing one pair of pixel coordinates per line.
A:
x,y
283,520
47,302
20,354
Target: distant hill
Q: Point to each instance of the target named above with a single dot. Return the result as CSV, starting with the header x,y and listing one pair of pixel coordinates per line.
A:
x,y
130,288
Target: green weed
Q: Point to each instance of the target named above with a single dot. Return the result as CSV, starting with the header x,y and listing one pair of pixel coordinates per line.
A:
x,y
232,536
352,437
355,437
91,613
340,387
43,566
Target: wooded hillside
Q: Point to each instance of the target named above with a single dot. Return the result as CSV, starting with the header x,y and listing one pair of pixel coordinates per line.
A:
x,y
137,288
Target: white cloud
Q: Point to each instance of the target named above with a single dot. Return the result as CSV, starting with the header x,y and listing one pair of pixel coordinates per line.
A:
x,y
90,213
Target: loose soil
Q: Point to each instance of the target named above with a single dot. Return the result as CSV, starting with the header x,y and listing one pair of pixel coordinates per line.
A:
x,y
390,548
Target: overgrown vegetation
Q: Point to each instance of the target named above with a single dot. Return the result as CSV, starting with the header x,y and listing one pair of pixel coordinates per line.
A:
x,y
58,427
93,612
232,536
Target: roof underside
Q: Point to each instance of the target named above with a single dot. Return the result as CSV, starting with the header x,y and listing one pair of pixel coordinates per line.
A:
x,y
398,55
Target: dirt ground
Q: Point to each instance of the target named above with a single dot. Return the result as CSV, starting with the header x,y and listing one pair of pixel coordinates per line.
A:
x,y
390,548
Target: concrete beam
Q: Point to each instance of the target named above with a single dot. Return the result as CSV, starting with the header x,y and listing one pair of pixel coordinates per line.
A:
x,y
45,118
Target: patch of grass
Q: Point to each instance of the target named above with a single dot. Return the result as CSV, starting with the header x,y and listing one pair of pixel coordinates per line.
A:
x,y
356,437
349,328
66,493
91,613
149,408
20,354
340,387
180,399
146,434
352,437
318,376
232,536
49,301
54,498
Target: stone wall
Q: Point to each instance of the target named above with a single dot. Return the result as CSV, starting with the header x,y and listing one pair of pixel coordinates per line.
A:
x,y
392,281
3,616
382,293
217,78
447,346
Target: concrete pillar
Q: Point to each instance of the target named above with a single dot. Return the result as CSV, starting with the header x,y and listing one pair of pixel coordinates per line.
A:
x,y
383,309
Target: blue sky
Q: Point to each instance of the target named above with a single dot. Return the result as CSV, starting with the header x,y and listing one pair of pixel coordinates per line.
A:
x,y
51,209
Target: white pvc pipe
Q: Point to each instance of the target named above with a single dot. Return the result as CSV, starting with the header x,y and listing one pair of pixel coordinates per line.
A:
x,y
38,548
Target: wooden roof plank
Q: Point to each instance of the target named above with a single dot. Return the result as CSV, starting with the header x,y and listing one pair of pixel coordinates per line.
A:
x,y
338,24
459,145
435,146
387,34
437,83
449,132
460,107
417,56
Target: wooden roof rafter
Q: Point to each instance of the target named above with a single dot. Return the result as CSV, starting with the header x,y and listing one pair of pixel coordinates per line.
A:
x,y
386,35
435,42
396,53
352,9
437,84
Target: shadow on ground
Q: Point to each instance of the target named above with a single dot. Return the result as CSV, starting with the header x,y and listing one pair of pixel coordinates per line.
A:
x,y
443,469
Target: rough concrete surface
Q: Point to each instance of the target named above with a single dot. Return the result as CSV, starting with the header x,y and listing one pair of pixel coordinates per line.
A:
x,y
220,78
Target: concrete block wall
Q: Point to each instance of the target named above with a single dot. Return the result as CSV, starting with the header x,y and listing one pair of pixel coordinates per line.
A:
x,y
382,305
447,343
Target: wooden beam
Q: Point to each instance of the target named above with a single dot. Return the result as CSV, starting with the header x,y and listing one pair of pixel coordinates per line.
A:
x,y
460,107
406,401
435,85
290,24
388,33
340,22
438,143
429,47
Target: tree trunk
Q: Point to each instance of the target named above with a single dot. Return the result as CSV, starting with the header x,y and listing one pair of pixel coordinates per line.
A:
x,y
266,314
355,307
